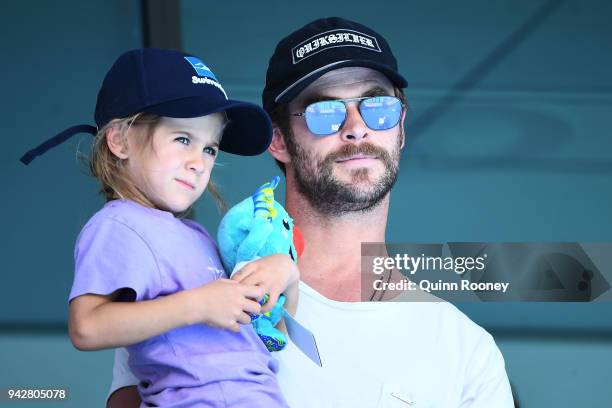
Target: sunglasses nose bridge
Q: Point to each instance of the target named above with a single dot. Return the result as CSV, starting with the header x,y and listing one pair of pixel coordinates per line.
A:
x,y
354,127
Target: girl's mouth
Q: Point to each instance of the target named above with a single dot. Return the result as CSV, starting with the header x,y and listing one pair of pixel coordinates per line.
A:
x,y
186,184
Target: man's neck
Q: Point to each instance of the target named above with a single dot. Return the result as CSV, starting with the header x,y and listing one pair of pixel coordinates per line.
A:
x,y
331,261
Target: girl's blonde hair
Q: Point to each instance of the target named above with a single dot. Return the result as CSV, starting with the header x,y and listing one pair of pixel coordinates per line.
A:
x,y
109,169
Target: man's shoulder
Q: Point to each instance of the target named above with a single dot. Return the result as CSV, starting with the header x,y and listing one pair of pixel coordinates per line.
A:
x,y
443,322
467,328
475,349
436,308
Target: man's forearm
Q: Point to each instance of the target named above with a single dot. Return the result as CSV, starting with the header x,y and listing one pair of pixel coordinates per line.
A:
x,y
126,397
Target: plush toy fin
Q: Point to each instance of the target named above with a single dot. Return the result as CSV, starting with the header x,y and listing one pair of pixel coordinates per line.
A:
x,y
263,200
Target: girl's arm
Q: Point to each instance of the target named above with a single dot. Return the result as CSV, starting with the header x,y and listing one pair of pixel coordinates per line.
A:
x,y
98,322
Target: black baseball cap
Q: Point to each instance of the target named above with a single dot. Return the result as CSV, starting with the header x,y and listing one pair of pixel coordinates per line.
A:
x,y
173,84
319,47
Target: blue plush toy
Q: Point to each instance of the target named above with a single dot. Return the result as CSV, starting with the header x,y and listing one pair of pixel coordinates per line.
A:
x,y
258,226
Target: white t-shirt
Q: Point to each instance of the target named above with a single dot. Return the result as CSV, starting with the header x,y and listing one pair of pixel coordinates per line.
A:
x,y
384,354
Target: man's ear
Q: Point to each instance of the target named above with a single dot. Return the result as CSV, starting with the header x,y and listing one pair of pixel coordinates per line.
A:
x,y
278,148
117,143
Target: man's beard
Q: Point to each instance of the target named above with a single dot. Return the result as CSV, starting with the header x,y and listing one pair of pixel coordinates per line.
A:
x,y
332,197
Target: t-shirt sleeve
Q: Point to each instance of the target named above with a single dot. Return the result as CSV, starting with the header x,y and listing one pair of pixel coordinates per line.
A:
x,y
487,383
109,256
122,375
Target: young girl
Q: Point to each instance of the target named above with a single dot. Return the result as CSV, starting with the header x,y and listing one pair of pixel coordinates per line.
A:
x,y
145,277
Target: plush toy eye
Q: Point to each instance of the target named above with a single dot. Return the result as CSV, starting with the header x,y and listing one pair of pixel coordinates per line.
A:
x,y
291,254
286,224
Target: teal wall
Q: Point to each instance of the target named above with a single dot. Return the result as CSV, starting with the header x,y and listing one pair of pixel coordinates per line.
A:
x,y
520,151
54,56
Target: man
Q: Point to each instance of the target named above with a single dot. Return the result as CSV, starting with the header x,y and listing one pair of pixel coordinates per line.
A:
x,y
336,101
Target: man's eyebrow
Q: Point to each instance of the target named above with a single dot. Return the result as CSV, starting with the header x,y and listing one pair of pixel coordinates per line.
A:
x,y
377,91
374,91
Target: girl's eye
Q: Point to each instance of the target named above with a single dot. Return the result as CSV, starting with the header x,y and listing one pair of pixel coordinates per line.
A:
x,y
184,140
210,150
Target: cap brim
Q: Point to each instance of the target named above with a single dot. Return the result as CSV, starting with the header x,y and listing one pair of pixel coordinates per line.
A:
x,y
294,89
248,133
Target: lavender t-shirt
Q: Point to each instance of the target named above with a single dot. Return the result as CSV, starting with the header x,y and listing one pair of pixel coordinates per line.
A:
x,y
150,253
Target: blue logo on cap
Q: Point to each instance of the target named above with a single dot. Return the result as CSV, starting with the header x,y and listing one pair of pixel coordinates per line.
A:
x,y
200,68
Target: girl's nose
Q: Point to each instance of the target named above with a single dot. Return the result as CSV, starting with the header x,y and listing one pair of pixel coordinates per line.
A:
x,y
195,162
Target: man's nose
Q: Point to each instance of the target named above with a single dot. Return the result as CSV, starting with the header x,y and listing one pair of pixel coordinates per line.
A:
x,y
354,129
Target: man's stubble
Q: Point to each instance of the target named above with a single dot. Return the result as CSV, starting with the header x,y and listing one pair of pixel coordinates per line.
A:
x,y
332,197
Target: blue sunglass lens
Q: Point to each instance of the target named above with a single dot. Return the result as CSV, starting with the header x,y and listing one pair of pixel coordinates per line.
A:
x,y
326,117
381,112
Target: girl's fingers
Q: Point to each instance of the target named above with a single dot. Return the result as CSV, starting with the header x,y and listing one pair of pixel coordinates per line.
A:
x,y
244,318
242,274
271,302
235,327
253,292
251,306
252,279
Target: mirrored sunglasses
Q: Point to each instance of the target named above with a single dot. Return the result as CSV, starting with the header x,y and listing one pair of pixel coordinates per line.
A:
x,y
327,117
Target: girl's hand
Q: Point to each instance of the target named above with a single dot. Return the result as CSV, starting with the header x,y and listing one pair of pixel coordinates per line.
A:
x,y
225,303
275,274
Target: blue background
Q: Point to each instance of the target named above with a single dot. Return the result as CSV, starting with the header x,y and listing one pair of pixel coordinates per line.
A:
x,y
509,139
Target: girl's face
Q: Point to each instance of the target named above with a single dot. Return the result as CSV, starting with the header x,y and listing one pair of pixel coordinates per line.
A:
x,y
174,168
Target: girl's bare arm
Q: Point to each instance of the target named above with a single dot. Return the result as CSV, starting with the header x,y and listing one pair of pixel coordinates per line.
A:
x,y
98,322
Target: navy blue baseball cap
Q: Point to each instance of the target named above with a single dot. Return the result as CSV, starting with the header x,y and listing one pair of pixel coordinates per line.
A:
x,y
173,84
321,46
